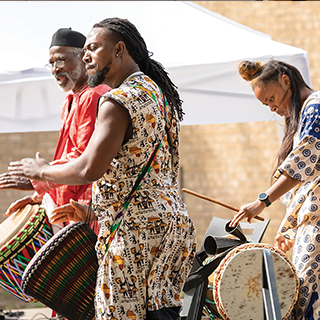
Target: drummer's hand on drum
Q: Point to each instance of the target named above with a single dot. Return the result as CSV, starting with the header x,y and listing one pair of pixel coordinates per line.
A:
x,y
74,211
282,243
9,181
248,211
29,167
14,206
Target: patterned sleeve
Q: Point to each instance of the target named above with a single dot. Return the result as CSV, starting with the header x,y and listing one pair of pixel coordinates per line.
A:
x,y
303,163
119,95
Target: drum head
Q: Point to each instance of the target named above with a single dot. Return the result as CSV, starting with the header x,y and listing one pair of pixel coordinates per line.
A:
x,y
237,286
15,222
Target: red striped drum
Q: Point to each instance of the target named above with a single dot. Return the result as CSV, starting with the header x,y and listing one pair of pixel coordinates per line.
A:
x,y
22,235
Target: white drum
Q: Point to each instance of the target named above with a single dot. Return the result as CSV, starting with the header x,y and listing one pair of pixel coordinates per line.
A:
x,y
237,283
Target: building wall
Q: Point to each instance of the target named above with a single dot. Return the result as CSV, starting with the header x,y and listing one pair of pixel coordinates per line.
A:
x,y
231,163
15,146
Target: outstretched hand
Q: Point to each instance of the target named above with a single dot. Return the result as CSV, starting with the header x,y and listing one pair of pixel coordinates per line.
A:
x,y
29,167
248,211
9,181
34,199
282,243
74,211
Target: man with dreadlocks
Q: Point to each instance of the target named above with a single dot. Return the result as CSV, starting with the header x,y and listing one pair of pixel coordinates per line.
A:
x,y
147,240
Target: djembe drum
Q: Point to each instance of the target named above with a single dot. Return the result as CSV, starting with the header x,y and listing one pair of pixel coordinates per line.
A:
x,y
236,285
22,235
62,275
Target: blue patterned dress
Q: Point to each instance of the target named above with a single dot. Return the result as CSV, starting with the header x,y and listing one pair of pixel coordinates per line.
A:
x,y
302,220
152,252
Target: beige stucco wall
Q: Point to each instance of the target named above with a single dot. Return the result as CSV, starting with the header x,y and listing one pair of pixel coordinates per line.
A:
x,y
15,146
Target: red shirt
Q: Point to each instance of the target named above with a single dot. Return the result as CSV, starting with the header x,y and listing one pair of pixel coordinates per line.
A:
x,y
77,126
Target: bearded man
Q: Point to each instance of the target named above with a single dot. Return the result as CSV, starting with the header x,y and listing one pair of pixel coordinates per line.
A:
x,y
78,118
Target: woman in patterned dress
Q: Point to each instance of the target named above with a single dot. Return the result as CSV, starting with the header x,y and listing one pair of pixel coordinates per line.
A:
x,y
297,178
143,269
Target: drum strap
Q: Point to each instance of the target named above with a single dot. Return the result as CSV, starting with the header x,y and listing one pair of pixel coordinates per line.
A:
x,y
147,166
204,271
145,169
195,278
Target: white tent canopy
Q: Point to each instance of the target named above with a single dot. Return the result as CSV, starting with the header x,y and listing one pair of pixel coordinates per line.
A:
x,y
199,49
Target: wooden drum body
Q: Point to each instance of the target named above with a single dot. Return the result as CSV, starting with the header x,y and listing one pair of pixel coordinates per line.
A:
x,y
22,235
237,283
62,275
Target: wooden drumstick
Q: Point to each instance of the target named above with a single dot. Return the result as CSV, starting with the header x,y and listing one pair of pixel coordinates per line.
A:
x,y
216,201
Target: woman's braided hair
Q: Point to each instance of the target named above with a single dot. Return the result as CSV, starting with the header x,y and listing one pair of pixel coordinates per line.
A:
x,y
123,30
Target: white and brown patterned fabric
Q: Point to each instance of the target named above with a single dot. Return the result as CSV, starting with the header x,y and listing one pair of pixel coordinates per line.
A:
x,y
301,222
151,255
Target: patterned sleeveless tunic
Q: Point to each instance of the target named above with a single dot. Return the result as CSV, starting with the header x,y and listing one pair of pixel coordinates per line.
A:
x,y
152,252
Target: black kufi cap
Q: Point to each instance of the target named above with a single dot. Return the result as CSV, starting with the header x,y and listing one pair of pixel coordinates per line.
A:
x,y
69,38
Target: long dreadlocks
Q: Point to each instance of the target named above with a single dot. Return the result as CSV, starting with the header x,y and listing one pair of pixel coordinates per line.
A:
x,y
123,30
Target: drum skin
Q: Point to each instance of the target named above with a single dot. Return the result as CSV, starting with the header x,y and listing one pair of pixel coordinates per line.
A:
x,y
22,235
237,283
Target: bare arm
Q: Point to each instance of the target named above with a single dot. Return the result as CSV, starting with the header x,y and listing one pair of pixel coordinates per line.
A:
x,y
113,127
284,184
